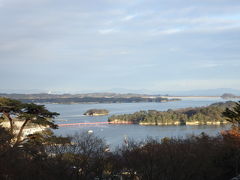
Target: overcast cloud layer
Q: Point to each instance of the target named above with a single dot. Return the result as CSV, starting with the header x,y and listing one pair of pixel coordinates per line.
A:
x,y
96,45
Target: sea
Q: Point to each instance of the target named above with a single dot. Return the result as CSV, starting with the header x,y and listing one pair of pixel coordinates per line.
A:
x,y
116,134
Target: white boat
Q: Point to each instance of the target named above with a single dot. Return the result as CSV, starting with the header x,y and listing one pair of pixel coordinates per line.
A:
x,y
90,131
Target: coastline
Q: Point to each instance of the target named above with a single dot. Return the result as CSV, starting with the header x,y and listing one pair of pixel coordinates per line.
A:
x,y
193,123
96,114
27,130
120,122
186,124
70,103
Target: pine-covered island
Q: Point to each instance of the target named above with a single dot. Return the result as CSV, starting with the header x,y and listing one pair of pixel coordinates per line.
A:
x,y
188,116
96,112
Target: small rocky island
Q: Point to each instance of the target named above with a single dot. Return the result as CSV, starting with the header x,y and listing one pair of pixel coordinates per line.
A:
x,y
229,96
96,112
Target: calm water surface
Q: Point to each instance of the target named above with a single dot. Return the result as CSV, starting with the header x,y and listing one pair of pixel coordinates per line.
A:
x,y
114,134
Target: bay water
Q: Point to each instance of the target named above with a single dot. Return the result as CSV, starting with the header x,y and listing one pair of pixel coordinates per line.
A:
x,y
115,134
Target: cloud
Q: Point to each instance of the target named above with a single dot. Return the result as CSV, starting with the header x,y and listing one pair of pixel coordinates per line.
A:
x,y
124,52
107,31
167,31
128,18
145,42
208,64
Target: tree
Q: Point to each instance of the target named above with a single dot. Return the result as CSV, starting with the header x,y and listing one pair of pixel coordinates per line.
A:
x,y
233,115
89,155
27,113
37,115
4,140
9,108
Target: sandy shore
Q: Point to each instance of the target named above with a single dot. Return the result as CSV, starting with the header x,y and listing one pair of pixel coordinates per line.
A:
x,y
27,130
120,122
169,124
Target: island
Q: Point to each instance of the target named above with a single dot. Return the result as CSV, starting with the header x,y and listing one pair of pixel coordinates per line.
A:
x,y
96,112
210,115
87,98
229,96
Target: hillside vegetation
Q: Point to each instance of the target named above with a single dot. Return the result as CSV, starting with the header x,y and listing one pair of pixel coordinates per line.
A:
x,y
96,112
202,115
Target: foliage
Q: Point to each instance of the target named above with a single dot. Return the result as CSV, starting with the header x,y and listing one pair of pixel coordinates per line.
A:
x,y
92,112
37,114
196,157
9,108
13,111
202,115
233,115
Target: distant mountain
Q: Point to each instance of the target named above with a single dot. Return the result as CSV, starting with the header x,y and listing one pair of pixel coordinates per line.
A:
x,y
135,92
203,92
22,91
132,91
207,92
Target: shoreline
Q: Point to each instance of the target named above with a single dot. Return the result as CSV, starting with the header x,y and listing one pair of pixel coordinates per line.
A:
x,y
194,123
72,103
97,115
186,124
28,130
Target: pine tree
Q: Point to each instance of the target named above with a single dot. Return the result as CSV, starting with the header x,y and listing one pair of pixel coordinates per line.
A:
x,y
233,115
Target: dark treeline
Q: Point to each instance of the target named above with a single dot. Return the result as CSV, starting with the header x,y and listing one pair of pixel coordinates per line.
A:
x,y
87,158
202,115
96,100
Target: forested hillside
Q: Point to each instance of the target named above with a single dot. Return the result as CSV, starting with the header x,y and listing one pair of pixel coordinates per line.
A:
x,y
202,115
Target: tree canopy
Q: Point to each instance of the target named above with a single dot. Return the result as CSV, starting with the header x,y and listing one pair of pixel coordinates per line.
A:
x,y
201,115
9,108
233,115
26,113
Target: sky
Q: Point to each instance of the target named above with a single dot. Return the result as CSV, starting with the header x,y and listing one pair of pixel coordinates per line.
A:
x,y
103,45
